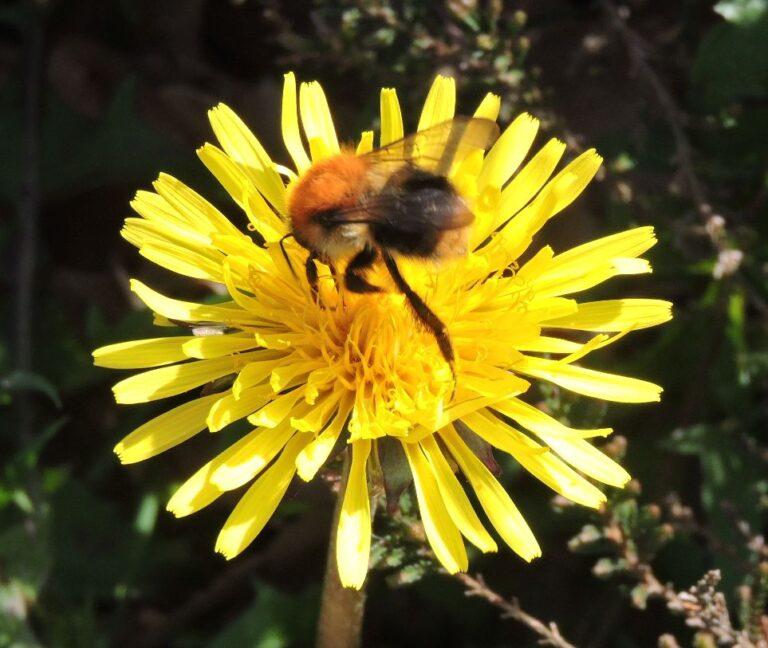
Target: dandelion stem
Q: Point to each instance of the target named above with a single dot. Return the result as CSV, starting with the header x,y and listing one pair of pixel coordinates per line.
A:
x,y
341,608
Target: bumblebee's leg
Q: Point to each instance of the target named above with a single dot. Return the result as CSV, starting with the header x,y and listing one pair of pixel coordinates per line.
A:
x,y
354,275
311,270
423,313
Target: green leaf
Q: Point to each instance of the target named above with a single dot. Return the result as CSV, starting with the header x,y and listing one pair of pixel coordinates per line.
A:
x,y
147,514
729,473
25,556
275,620
28,381
15,631
741,12
93,546
133,148
395,470
732,63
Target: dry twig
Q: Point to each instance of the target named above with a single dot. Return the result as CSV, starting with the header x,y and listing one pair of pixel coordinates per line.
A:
x,y
637,50
729,257
549,633
28,211
703,606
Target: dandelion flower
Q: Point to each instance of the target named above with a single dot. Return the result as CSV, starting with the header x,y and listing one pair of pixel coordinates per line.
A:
x,y
309,372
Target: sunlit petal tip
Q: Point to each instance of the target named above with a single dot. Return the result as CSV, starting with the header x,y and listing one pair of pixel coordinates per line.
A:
x,y
224,547
489,107
119,450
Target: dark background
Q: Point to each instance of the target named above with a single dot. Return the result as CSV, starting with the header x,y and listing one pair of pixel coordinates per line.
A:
x,y
97,97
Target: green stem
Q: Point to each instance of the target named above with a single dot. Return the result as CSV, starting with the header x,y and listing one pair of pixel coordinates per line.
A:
x,y
341,608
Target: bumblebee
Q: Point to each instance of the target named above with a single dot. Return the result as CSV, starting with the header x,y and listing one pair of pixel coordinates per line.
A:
x,y
394,201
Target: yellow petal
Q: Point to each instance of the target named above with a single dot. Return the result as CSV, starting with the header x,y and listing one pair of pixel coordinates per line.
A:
x,y
230,175
199,491
250,456
195,493
231,408
317,417
182,251
353,538
556,195
176,379
165,431
593,344
627,244
257,371
138,354
290,125
583,456
489,107
547,344
495,501
524,186
317,121
239,186
242,146
598,384
312,457
391,118
616,315
282,376
440,103
540,423
366,143
531,178
190,205
262,219
276,411
470,402
141,231
587,265
175,309
442,532
508,152
256,507
456,500
156,209
536,459
184,262
215,346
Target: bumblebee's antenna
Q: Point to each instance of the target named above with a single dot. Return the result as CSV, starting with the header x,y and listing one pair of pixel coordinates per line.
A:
x,y
285,254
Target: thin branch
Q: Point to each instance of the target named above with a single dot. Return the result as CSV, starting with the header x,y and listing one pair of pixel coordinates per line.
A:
x,y
702,605
729,257
637,50
28,211
549,633
223,588
289,544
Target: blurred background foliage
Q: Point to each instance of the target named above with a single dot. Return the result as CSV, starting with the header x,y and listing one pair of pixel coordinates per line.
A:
x,y
673,94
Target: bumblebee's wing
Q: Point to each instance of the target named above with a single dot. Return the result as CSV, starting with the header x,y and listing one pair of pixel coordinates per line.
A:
x,y
435,149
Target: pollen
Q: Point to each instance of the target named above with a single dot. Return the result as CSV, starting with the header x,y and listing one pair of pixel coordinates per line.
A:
x,y
387,364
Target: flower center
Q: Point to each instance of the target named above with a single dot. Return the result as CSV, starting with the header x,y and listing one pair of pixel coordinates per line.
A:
x,y
376,350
